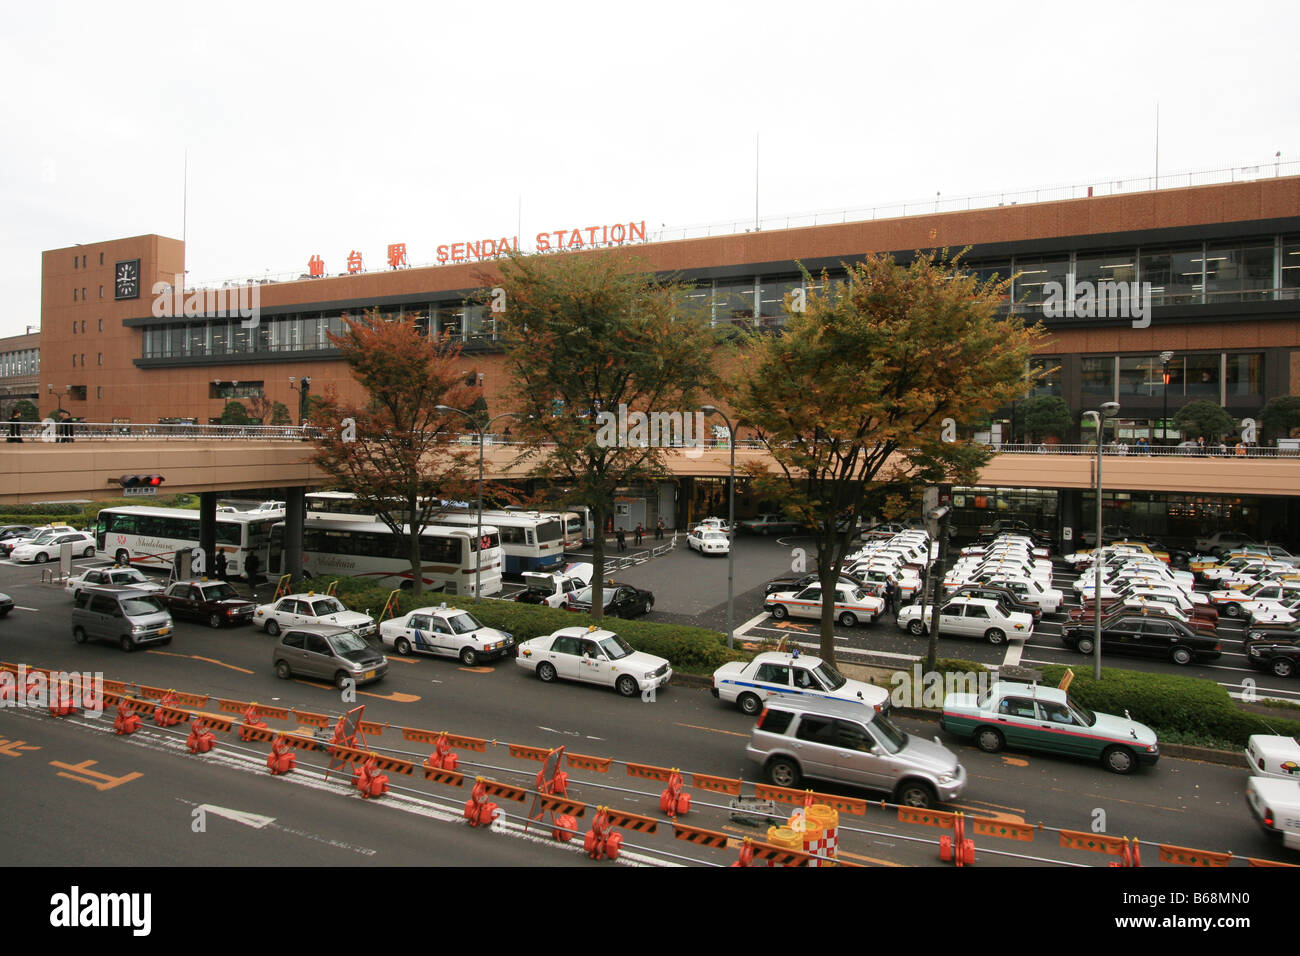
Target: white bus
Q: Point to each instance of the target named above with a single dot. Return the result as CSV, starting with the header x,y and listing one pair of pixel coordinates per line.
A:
x,y
150,537
351,545
531,540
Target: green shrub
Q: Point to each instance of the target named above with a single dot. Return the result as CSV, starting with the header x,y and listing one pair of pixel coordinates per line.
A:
x,y
690,649
1190,707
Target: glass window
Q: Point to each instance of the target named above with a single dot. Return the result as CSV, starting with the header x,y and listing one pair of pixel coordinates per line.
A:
x,y
1140,375
1050,382
1196,376
1245,374
1175,274
771,299
451,320
733,301
1095,267
1034,274
1097,376
1241,271
1289,281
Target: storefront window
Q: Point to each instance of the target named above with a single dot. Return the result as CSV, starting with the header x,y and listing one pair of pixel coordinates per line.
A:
x,y
1140,375
1245,374
1097,377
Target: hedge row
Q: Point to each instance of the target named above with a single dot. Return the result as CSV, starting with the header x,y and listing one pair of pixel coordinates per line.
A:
x,y
689,649
1170,704
78,515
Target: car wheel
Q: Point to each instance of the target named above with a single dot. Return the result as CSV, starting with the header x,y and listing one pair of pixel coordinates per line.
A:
x,y
79,634
272,626
649,605
41,557
780,613
402,646
125,644
1283,667
1118,760
783,772
995,636
916,627
750,705
989,740
627,686
214,620
847,619
282,670
546,672
914,793
1084,645
1180,655
89,552
1233,610
341,680
123,557
468,657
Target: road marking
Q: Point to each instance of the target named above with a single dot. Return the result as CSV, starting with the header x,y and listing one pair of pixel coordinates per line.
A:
x,y
1014,761
990,814
206,660
84,767
254,820
715,730
478,670
1014,650
22,608
405,660
396,697
744,628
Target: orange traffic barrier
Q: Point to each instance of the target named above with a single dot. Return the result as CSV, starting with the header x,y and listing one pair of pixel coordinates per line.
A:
x,y
479,811
312,720
189,700
518,794
672,801
583,762
371,728
529,753
700,836
443,757
1252,861
716,784
986,826
1094,842
127,721
216,722
798,797
450,777
115,687
632,821
926,818
563,805
1186,856
201,739
259,710
281,759
648,771
169,716
394,765
476,744
778,856
601,841
369,780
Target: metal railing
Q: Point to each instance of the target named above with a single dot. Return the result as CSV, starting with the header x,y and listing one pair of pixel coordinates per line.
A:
x,y
1151,451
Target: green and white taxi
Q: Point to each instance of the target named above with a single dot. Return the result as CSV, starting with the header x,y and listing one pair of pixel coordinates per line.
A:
x,y
1031,717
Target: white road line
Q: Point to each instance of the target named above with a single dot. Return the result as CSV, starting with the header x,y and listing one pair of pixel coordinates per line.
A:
x,y
744,628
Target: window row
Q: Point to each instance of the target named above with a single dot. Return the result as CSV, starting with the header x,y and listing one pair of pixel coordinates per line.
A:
x,y
79,261
1213,376
20,362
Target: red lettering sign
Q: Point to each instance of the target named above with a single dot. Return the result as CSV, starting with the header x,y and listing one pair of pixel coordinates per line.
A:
x,y
397,255
315,266
354,262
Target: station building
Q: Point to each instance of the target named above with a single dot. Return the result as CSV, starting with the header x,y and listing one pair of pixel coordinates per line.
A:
x,y
1219,265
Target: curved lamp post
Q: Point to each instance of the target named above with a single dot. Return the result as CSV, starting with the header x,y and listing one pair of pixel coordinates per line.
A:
x,y
1107,410
731,516
478,565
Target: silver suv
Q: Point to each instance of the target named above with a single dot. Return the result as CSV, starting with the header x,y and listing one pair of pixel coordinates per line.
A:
x,y
130,618
847,743
329,651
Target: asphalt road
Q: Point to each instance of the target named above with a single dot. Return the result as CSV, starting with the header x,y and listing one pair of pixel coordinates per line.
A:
x,y
1179,802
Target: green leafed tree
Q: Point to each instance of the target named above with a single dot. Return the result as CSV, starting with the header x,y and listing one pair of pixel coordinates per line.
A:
x,y
280,414
392,453
234,413
27,410
1201,419
858,401
587,335
1043,416
1280,417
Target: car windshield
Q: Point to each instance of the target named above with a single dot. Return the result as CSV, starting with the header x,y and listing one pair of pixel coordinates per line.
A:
x,y
328,606
347,643
1082,714
832,678
141,605
893,736
219,592
463,623
615,647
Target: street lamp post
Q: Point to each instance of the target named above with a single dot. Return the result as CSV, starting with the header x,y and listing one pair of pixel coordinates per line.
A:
x,y
1165,358
478,529
1108,410
731,516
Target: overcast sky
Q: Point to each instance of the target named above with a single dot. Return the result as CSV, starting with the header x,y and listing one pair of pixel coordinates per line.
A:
x,y
319,128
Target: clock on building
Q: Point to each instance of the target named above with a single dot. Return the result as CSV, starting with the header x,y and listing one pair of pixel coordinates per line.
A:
x,y
126,280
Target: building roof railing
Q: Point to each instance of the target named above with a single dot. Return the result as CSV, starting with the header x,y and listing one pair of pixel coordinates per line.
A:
x,y
1274,169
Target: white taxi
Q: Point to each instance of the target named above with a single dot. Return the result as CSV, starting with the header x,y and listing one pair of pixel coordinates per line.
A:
x,y
446,632
1273,756
294,610
747,684
594,656
969,617
708,541
851,604
132,579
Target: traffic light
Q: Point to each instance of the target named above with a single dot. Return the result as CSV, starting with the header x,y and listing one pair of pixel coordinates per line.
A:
x,y
140,484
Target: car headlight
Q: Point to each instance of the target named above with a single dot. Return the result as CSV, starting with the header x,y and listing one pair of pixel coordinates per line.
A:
x,y
947,777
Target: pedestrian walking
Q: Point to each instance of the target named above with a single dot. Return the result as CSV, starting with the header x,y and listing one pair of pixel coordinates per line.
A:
x,y
250,568
659,530
219,565
15,426
640,532
621,536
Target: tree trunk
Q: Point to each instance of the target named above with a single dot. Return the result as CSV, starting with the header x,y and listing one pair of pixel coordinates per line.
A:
x,y
413,544
825,574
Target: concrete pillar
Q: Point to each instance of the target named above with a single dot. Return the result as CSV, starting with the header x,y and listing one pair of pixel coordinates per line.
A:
x,y
1069,508
208,531
295,504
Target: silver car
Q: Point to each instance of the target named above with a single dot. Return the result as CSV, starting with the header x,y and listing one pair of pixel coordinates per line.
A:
x,y
130,618
327,651
845,742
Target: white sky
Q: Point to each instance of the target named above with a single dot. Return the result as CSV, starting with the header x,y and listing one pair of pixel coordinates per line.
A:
x,y
321,127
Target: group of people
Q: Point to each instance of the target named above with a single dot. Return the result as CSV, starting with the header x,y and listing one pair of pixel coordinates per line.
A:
x,y
62,426
620,535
